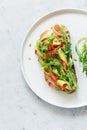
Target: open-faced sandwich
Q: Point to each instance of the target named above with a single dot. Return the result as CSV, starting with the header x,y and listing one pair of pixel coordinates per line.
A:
x,y
55,56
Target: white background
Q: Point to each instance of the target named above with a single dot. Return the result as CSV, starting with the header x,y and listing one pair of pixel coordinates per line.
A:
x,y
20,108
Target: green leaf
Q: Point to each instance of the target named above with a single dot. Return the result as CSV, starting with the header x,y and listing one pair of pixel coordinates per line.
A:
x,y
52,36
82,55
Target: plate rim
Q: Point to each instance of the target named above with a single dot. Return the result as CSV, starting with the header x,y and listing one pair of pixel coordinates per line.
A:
x,y
73,10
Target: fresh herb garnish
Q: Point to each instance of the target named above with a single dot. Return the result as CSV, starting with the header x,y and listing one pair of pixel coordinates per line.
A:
x,y
82,53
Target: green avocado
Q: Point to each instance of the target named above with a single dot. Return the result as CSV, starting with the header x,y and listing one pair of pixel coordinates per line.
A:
x,y
62,55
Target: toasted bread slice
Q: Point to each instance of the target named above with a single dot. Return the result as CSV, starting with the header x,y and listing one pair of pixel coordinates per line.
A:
x,y
54,54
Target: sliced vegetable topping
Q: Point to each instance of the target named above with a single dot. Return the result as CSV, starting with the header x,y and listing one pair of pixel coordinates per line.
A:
x,y
54,54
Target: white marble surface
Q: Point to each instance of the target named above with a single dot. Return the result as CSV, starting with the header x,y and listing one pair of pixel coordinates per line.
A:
x,y
20,109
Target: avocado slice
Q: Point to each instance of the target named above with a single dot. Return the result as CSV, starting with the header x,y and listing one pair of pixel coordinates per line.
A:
x,y
62,55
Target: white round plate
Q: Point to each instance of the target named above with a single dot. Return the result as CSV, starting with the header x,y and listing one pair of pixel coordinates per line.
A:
x,y
76,21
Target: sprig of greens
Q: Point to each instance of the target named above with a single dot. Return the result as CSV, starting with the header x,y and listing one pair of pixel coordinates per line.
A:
x,y
82,54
